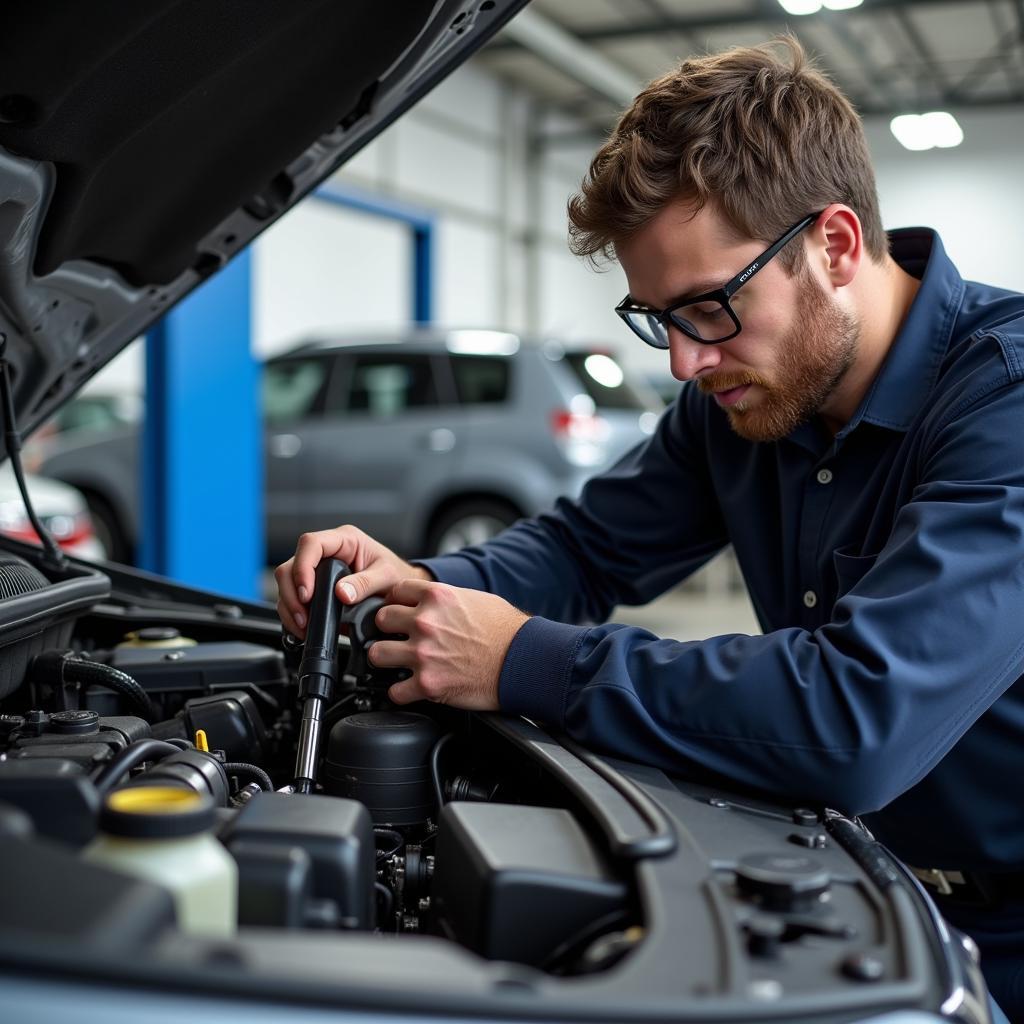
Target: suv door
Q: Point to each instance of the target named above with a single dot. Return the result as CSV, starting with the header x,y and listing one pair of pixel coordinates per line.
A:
x,y
295,390
379,447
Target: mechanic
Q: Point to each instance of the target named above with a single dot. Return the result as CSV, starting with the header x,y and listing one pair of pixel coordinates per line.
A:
x,y
854,428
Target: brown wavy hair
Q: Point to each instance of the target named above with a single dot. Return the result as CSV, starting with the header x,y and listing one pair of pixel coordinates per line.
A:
x,y
761,134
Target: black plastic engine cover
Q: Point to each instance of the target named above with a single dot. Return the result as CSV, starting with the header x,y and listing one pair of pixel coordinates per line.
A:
x,y
337,836
517,883
201,668
51,894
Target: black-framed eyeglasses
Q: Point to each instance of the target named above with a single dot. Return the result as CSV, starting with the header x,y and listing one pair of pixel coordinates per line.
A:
x,y
709,317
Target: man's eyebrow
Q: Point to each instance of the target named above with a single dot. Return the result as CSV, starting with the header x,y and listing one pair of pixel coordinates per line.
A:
x,y
700,288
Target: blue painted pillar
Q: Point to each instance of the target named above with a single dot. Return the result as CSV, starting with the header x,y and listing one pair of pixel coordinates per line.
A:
x,y
202,458
422,273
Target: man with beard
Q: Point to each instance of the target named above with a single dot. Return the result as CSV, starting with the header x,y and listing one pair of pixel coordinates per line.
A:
x,y
853,428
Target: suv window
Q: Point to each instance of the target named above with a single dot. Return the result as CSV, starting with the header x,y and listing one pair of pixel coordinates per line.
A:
x,y
602,378
385,385
294,388
480,380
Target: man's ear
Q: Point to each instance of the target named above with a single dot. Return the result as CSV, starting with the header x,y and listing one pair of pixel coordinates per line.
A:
x,y
838,243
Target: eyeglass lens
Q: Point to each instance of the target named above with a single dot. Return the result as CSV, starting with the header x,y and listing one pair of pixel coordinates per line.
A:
x,y
708,320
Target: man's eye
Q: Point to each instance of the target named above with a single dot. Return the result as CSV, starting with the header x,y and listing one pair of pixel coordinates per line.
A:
x,y
709,310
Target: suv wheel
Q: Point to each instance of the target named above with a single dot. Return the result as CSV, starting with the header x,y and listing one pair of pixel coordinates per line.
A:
x,y
467,523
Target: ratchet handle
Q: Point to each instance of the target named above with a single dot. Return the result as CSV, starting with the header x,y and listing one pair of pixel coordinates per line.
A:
x,y
318,669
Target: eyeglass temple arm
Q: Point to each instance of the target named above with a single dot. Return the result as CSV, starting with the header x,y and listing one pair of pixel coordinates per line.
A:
x,y
769,254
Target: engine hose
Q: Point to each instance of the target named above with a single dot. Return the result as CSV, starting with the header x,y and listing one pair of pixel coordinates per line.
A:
x,y
396,838
131,757
435,769
389,902
59,667
241,768
93,673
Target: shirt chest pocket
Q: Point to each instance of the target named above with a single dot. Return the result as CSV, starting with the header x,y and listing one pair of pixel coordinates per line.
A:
x,y
850,568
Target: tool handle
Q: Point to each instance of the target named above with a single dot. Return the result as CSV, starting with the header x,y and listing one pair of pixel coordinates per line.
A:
x,y
318,669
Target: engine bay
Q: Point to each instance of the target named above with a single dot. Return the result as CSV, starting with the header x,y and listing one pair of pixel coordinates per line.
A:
x,y
409,858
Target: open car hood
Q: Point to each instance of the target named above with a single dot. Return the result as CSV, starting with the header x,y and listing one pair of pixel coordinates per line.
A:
x,y
143,145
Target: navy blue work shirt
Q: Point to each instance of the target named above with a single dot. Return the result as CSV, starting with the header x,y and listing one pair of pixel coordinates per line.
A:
x,y
885,565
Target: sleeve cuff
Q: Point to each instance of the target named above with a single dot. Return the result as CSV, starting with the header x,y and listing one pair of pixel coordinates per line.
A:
x,y
535,677
454,570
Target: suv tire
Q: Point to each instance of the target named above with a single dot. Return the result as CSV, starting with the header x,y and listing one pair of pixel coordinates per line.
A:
x,y
469,522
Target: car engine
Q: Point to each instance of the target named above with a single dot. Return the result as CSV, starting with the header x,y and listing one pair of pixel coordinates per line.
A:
x,y
383,853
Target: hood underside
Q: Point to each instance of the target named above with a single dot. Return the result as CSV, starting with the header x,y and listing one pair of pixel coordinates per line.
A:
x,y
143,145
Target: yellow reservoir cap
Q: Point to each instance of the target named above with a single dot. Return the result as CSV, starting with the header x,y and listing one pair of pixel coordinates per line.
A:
x,y
154,800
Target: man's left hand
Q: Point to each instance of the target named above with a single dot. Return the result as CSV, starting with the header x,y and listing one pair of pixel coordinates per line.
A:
x,y
458,640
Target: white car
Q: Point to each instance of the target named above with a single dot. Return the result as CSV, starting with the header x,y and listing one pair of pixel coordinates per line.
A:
x,y
60,507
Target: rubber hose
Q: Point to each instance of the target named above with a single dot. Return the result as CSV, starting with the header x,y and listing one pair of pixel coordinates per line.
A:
x,y
396,838
93,673
435,769
389,902
241,768
131,757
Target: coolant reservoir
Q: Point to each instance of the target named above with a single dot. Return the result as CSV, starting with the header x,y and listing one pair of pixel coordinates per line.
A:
x,y
163,835
156,637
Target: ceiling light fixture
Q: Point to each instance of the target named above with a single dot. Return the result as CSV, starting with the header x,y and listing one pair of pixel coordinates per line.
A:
x,y
799,7
918,132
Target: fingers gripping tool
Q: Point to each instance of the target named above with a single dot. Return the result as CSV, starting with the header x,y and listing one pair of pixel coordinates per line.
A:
x,y
318,670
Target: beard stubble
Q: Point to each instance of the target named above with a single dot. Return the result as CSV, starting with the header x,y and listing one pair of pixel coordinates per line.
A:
x,y
811,363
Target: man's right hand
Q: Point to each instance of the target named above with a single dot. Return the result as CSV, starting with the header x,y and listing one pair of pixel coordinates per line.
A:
x,y
375,570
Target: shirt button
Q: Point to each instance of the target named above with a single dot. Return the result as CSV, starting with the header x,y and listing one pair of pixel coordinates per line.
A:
x,y
810,598
824,476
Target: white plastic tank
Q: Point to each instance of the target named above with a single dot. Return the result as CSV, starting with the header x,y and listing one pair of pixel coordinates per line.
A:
x,y
163,835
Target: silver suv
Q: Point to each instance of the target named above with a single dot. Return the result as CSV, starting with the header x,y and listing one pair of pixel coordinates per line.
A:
x,y
427,440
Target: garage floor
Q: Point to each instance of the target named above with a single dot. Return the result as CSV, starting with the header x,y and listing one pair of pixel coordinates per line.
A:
x,y
684,615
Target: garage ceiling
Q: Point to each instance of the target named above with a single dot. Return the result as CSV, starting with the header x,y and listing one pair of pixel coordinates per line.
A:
x,y
889,56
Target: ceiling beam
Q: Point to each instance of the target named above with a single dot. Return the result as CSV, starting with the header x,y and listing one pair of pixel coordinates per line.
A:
x,y
925,55
663,17
873,74
566,53
771,16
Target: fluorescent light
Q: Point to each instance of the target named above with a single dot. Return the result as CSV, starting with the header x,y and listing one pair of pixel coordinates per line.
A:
x,y
482,343
800,6
910,133
813,6
926,131
946,132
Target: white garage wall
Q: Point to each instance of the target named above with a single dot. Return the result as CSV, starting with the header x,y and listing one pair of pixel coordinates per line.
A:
x,y
501,248
501,259
972,194
321,258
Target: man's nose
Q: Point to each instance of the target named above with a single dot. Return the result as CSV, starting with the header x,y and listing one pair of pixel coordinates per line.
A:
x,y
688,357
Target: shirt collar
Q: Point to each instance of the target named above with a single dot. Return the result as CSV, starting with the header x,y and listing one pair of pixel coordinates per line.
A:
x,y
910,369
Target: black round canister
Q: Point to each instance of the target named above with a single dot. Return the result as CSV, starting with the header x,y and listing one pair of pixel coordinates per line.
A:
x,y
382,759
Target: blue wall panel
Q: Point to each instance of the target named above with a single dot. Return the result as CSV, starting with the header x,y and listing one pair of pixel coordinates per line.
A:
x,y
202,465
